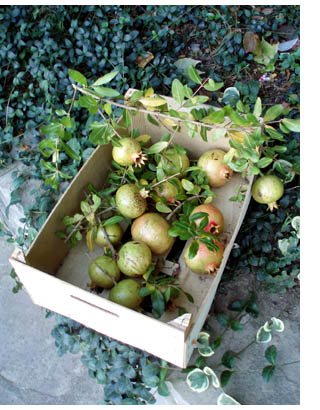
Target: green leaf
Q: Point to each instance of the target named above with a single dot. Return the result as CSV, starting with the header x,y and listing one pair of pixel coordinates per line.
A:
x,y
203,133
257,108
86,101
237,306
152,120
268,372
216,117
163,389
177,91
78,77
273,112
292,125
218,133
157,147
113,220
146,291
223,319
107,108
224,399
235,117
106,92
197,380
235,325
194,75
193,250
184,64
105,79
271,354
264,162
162,208
101,133
206,351
158,304
126,117
187,185
53,128
225,377
228,359
212,86
70,152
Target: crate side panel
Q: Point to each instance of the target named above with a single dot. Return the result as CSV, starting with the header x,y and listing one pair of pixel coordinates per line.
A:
x,y
101,315
48,250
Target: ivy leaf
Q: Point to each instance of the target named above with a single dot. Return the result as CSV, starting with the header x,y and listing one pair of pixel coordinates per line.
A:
x,y
105,79
268,372
225,399
228,359
78,77
271,354
235,325
262,336
209,372
177,91
223,319
163,389
225,377
197,380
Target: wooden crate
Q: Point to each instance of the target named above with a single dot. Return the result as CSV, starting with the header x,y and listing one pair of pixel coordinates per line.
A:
x,y
57,278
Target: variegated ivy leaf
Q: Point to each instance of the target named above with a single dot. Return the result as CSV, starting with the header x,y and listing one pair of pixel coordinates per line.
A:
x,y
225,399
215,380
277,324
197,380
295,223
263,336
205,351
203,338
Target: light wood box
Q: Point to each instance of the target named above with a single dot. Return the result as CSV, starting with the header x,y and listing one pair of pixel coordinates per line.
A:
x,y
57,278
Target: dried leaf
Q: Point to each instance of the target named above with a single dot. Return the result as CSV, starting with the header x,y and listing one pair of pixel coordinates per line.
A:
x,y
142,62
251,43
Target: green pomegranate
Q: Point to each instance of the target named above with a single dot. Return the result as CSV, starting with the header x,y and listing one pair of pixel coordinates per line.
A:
x,y
134,258
205,262
101,271
267,190
172,162
129,153
127,293
129,201
152,229
215,217
114,233
218,174
169,190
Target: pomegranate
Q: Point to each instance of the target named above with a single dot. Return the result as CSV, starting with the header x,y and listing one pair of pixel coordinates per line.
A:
x,y
217,173
168,190
267,190
172,162
127,293
215,216
205,262
134,258
129,201
152,229
114,233
101,271
129,153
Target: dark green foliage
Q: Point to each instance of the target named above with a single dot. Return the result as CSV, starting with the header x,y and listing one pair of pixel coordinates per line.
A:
x,y
126,373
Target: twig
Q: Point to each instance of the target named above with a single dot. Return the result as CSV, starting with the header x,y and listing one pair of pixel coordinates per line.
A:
x,y
104,271
115,131
164,180
180,205
106,210
72,101
158,114
124,176
73,230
